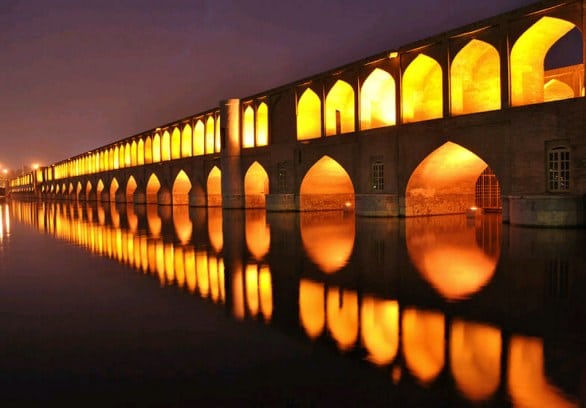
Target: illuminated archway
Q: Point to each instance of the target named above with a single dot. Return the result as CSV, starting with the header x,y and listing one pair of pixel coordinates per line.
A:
x,y
248,128
131,187
153,186
256,186
527,59
377,100
556,90
176,144
99,189
326,186
422,90
116,161
308,116
133,154
217,138
186,139
199,139
181,188
379,329
88,190
328,238
262,125
127,155
156,148
214,188
475,79
140,159
210,137
444,182
148,150
114,189
342,316
339,110
166,146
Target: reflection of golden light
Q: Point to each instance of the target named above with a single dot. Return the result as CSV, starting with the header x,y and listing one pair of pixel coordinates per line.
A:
x,y
312,307
528,385
179,266
326,186
475,79
132,218
328,238
153,220
238,294
475,359
422,90
377,100
144,254
423,343
256,186
251,285
342,316
160,260
446,253
265,288
213,274
182,223
258,234
201,266
339,111
379,324
308,116
190,276
528,56
215,228
152,255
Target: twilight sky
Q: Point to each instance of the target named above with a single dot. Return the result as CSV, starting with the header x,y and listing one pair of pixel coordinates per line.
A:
x,y
75,75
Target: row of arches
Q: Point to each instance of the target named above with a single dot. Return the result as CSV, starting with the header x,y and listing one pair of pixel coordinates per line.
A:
x,y
474,83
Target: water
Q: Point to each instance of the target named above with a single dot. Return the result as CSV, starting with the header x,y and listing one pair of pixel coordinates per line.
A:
x,y
183,306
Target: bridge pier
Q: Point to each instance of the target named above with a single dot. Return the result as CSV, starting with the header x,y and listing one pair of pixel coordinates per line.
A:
x,y
282,202
547,210
377,205
232,186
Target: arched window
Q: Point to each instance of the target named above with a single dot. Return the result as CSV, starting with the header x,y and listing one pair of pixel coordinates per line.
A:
x,y
248,128
377,100
558,165
422,90
340,109
262,125
198,139
308,116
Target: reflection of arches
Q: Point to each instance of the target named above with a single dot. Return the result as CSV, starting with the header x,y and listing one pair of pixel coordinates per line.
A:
x,y
256,186
113,189
475,359
422,90
308,116
131,187
528,56
342,316
214,188
182,223
258,234
423,343
457,258
379,329
377,100
215,232
181,188
444,182
312,307
99,189
326,186
339,112
475,79
153,186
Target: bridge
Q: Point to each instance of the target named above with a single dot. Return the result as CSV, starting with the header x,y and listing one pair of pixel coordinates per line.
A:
x,y
482,116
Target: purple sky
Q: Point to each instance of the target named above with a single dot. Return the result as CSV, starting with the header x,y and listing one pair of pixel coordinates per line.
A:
x,y
76,75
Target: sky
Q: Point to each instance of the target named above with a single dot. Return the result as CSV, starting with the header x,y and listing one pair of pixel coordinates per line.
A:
x,y
76,75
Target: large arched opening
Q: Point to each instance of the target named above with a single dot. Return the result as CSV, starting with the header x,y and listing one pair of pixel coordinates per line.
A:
x,y
377,100
114,189
449,181
181,189
256,186
152,189
131,187
186,141
326,186
422,96
214,188
199,139
339,109
99,189
176,144
308,116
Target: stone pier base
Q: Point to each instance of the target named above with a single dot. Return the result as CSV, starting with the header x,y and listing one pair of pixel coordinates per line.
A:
x,y
377,205
547,211
281,202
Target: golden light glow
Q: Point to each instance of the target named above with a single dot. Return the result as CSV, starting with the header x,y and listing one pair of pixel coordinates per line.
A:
x,y
152,189
99,189
156,148
166,146
182,223
116,158
131,187
148,150
326,186
214,188
528,384
265,292
475,79
176,144
308,116
215,232
113,189
251,286
238,294
423,343
475,359
186,139
199,139
339,110
140,160
209,137
179,266
342,316
262,125
190,274
377,100
312,305
203,277
181,189
218,138
444,182
127,155
248,128
328,238
447,253
258,234
422,90
256,186
133,154
154,222
528,56
379,329
556,90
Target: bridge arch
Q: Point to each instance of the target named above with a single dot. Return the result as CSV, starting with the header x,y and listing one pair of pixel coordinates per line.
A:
x,y
339,109
148,150
114,186
214,187
152,189
99,189
262,125
256,186
210,139
422,93
377,100
166,146
131,186
140,152
309,116
133,153
445,182
326,186
156,148
186,141
176,143
248,127
475,79
528,56
181,188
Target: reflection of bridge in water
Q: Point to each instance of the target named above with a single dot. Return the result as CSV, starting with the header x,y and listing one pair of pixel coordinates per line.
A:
x,y
361,293
483,115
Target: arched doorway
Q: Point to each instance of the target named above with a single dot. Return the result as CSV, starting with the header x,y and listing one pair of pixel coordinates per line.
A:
x,y
181,189
326,186
214,188
256,186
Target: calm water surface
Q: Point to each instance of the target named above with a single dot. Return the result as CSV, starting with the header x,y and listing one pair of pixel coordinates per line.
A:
x,y
157,305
